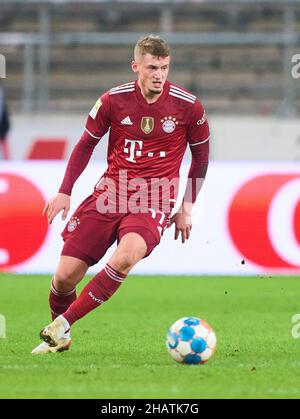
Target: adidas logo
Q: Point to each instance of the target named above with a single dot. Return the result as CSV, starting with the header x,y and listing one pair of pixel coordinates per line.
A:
x,y
126,121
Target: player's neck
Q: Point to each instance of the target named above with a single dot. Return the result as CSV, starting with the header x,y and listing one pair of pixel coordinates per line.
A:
x,y
150,97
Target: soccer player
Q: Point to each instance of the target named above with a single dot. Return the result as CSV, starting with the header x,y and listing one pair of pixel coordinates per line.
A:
x,y
151,121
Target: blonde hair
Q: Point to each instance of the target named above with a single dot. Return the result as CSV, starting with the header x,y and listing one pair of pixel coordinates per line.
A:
x,y
151,44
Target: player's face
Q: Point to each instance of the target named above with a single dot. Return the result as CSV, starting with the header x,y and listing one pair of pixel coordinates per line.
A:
x,y
152,73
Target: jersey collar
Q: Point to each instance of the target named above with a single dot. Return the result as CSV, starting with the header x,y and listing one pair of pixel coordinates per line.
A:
x,y
161,99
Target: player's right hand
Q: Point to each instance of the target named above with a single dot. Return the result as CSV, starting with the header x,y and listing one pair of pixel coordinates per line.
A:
x,y
60,202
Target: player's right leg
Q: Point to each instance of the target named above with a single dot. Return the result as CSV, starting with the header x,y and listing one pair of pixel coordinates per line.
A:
x,y
130,250
69,273
87,237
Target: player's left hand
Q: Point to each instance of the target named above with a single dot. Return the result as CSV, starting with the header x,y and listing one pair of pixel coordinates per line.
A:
x,y
183,225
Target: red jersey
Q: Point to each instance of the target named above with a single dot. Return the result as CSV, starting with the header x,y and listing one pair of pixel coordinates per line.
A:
x,y
148,141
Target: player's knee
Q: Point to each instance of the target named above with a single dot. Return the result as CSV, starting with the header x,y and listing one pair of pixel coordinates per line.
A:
x,y
63,281
126,261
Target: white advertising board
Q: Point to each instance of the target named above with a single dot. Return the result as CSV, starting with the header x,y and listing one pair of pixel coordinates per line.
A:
x,y
246,221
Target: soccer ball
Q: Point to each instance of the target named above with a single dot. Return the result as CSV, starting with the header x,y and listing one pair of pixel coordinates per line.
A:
x,y
191,341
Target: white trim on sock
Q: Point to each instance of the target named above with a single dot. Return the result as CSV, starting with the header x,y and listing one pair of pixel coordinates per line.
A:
x,y
65,322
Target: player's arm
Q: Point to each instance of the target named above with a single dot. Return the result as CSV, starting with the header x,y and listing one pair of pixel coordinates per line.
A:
x,y
198,138
97,125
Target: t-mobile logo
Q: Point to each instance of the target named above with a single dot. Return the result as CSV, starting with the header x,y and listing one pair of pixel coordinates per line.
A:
x,y
131,149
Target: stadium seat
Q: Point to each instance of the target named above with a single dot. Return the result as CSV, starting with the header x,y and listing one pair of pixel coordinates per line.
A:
x,y
48,149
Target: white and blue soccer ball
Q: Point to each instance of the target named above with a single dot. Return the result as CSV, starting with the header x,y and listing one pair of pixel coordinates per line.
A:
x,y
191,340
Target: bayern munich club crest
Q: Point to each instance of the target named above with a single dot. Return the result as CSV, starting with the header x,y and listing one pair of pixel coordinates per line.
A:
x,y
169,124
72,224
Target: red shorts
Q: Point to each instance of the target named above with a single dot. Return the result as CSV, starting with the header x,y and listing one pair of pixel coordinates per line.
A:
x,y
89,234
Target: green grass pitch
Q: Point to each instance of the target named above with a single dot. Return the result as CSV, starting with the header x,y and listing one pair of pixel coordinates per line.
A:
x,y
119,349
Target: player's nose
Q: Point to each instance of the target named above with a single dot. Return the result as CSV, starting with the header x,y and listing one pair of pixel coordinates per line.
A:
x,y
158,74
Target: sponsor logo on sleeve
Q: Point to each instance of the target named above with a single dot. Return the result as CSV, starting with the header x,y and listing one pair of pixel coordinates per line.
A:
x,y
202,120
95,109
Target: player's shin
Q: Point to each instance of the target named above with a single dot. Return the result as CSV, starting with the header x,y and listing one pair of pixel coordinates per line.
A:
x,y
95,293
60,301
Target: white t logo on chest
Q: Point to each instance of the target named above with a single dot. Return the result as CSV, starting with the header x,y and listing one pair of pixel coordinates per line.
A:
x,y
131,149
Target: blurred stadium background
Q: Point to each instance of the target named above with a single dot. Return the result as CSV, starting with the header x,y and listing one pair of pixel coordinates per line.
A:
x,y
236,55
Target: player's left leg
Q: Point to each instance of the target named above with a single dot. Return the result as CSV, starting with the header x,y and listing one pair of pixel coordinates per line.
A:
x,y
131,249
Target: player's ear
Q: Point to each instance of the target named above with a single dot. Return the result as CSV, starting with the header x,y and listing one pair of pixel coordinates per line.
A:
x,y
134,66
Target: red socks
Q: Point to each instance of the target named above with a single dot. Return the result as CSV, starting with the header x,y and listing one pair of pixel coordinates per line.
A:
x,y
60,301
96,292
